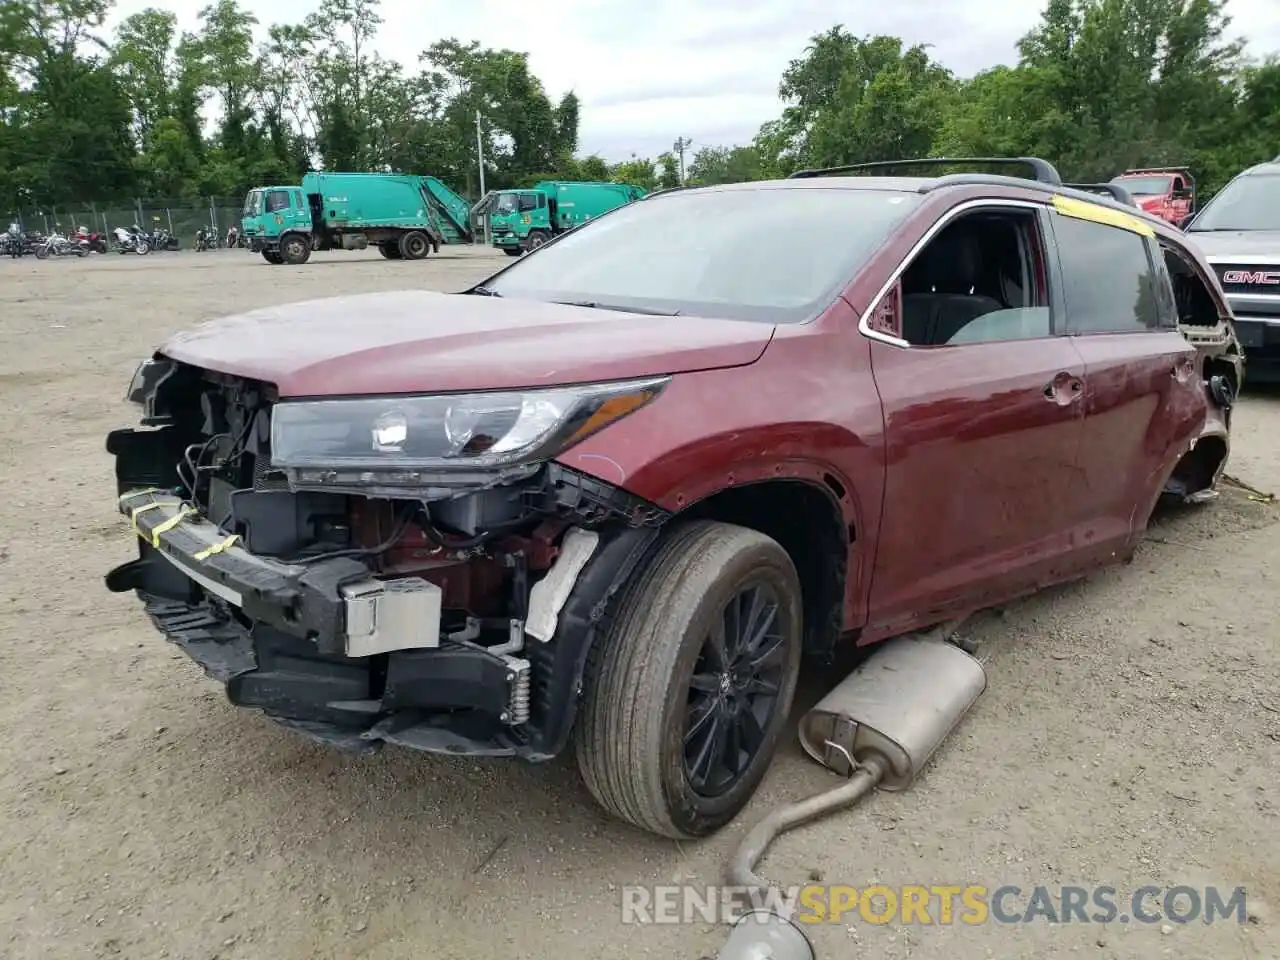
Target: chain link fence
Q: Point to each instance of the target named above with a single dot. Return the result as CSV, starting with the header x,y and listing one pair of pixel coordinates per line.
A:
x,y
182,218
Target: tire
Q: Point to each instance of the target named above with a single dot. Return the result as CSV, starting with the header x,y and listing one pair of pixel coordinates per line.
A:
x,y
636,717
415,245
536,239
294,249
42,252
271,257
390,250
512,251
142,249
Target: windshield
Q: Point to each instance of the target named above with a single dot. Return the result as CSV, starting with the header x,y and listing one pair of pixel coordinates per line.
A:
x,y
252,203
1246,203
505,203
779,255
1145,186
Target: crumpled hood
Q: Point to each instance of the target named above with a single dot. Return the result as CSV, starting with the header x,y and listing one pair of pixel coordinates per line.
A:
x,y
417,341
1238,246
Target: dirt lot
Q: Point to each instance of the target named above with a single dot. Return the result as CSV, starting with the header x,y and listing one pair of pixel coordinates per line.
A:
x,y
1130,733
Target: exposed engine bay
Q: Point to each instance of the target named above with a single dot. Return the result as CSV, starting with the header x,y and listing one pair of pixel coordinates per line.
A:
x,y
441,621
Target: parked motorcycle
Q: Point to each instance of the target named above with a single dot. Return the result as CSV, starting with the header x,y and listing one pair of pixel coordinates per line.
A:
x,y
207,239
162,239
96,242
13,242
132,241
59,246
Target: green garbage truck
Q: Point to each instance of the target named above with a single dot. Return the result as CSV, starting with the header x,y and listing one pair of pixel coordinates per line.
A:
x,y
521,220
403,215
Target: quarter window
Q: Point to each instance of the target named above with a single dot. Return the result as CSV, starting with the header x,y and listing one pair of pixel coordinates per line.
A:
x,y
1108,280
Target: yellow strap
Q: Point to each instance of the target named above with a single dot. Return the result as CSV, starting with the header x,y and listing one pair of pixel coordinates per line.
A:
x,y
134,513
217,547
169,524
1083,210
138,493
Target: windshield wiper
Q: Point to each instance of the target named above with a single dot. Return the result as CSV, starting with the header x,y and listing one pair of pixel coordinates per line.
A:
x,y
596,305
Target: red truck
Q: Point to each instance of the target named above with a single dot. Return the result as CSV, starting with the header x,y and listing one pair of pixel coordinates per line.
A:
x,y
1167,192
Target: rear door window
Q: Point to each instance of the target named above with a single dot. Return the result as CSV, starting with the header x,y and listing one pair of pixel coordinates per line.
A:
x,y
1109,282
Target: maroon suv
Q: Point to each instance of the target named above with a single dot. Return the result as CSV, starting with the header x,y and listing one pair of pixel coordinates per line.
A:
x,y
619,490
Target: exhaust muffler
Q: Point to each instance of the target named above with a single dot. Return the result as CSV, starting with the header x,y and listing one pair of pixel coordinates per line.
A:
x,y
878,728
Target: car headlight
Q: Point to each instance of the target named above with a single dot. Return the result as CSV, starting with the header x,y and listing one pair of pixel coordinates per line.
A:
x,y
397,436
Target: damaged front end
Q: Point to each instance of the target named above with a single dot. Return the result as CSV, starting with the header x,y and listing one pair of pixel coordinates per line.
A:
x,y
407,570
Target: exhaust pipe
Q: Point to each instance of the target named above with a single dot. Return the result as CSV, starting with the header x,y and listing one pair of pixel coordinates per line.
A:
x,y
879,727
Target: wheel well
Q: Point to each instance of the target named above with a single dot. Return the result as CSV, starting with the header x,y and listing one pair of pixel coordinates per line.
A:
x,y
1196,470
806,522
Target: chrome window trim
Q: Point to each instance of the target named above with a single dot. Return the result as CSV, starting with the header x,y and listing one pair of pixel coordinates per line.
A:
x,y
956,211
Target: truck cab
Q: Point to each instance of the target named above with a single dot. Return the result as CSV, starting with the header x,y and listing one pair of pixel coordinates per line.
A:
x,y
270,212
522,220
1167,192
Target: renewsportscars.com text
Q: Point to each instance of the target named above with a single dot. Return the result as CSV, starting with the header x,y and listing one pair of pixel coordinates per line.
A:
x,y
937,904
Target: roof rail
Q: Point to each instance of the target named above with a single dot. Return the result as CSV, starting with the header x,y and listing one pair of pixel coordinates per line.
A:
x,y
1174,169
1113,190
1043,171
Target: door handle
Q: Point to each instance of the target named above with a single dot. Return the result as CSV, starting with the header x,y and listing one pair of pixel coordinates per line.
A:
x,y
1064,389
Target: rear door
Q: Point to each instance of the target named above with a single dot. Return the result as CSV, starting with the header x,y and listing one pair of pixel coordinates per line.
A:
x,y
1144,400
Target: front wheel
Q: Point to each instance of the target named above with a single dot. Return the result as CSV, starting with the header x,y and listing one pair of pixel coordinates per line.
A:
x,y
142,248
42,252
512,251
536,239
295,249
689,692
271,256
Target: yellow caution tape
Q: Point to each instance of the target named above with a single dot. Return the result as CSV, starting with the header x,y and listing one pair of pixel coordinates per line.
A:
x,y
138,493
169,524
209,551
1083,210
136,511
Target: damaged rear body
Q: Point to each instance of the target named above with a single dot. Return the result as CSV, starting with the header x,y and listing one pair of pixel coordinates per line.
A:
x,y
360,613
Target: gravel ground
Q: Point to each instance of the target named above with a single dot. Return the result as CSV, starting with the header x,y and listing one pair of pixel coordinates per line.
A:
x,y
1130,733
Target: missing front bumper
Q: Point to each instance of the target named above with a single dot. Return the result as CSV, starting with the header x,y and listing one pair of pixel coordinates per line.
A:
x,y
446,700
326,648
337,603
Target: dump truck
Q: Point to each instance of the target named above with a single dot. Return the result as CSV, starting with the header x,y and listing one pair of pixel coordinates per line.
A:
x,y
405,216
522,220
1167,192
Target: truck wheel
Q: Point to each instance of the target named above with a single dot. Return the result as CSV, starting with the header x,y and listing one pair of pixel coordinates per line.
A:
x,y
294,249
688,693
512,251
536,239
390,250
414,245
271,256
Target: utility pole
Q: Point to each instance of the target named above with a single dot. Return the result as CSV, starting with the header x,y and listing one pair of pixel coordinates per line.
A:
x,y
680,146
480,162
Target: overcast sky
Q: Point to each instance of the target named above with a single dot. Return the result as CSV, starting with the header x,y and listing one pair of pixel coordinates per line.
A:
x,y
706,70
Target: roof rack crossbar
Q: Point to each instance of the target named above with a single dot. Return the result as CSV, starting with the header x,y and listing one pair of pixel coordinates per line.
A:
x,y
1043,171
1114,190
1175,169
